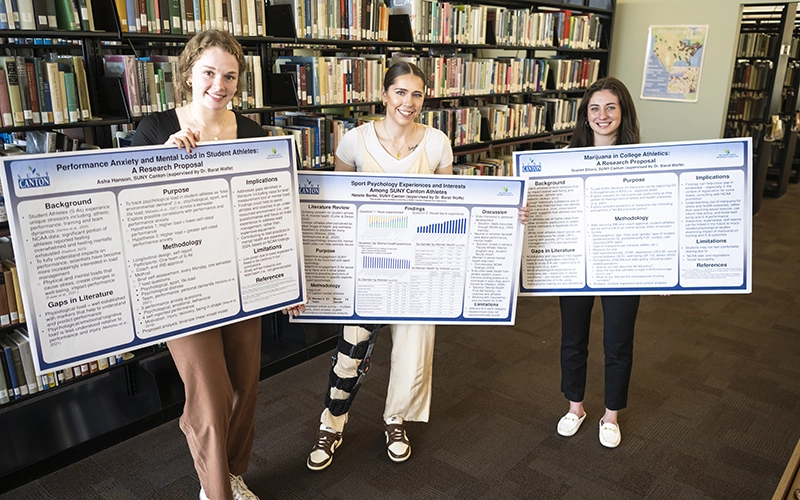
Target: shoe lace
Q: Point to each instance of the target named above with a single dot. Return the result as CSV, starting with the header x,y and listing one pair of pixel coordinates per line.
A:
x,y
395,433
240,489
325,441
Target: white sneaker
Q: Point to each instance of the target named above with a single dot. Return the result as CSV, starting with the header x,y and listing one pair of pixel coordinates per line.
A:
x,y
397,446
610,436
240,490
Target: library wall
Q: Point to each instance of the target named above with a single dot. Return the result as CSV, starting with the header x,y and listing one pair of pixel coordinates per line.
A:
x,y
676,121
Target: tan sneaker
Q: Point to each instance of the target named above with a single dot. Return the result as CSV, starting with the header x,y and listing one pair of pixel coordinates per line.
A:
x,y
321,454
240,490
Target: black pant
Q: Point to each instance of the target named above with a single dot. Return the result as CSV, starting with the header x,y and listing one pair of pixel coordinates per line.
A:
x,y
619,317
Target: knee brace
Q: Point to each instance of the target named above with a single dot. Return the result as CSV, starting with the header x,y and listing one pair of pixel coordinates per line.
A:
x,y
362,351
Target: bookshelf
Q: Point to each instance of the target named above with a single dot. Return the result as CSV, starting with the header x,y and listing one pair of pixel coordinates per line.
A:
x,y
764,90
109,406
492,84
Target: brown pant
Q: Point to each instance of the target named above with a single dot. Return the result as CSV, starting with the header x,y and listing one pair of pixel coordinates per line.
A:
x,y
220,371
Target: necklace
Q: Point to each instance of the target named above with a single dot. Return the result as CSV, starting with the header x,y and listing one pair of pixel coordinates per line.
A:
x,y
204,127
400,149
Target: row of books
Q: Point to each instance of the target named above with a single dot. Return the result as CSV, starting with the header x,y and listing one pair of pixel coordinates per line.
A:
x,y
149,86
747,105
335,80
746,129
442,22
751,76
515,120
791,73
40,90
562,29
485,166
462,125
463,75
181,17
562,114
342,20
794,48
318,134
12,311
757,44
67,15
18,378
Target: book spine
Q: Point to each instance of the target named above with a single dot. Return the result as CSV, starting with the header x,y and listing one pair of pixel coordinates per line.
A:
x,y
24,94
188,16
10,374
26,358
176,16
18,294
72,97
4,396
33,91
5,102
26,16
18,369
3,16
82,87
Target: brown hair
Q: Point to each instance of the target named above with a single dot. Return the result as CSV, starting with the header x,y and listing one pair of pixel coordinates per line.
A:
x,y
402,68
194,49
628,132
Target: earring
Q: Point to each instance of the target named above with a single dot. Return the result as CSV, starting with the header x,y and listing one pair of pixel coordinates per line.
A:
x,y
188,83
384,103
586,123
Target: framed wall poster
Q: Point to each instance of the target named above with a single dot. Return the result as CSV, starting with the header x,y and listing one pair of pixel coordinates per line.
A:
x,y
674,62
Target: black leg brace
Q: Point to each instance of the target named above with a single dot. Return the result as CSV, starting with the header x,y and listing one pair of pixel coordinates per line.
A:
x,y
362,351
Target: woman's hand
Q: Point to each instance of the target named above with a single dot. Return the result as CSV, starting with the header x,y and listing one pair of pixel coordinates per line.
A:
x,y
185,138
523,214
295,310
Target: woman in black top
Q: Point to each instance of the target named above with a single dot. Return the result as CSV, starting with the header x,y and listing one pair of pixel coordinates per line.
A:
x,y
606,117
219,367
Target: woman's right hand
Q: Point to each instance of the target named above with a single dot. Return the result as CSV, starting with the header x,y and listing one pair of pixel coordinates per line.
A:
x,y
295,311
184,138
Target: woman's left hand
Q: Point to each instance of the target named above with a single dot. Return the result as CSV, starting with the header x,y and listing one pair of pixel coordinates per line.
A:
x,y
523,214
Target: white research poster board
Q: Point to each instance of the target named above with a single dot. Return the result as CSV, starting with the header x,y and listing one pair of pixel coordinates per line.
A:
x,y
120,249
410,248
667,218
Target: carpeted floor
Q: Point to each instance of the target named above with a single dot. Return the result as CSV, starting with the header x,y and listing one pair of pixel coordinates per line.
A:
x,y
714,410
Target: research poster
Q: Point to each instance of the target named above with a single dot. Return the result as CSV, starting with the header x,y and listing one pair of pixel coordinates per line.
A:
x,y
411,248
120,249
669,218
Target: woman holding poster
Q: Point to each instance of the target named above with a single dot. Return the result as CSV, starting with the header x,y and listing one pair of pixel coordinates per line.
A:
x,y
219,367
606,117
395,144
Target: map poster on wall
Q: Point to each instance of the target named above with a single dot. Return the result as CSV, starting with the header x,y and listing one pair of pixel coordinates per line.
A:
x,y
673,63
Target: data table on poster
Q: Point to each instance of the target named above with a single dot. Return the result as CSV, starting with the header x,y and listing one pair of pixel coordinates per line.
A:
x,y
410,249
667,218
121,249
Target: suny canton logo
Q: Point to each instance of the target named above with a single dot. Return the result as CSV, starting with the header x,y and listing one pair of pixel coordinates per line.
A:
x,y
505,192
33,179
309,188
532,167
727,154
